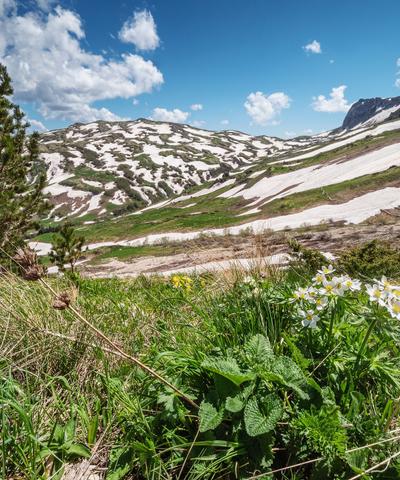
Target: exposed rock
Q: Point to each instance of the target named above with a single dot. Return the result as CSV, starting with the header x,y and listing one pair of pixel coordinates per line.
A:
x,y
367,109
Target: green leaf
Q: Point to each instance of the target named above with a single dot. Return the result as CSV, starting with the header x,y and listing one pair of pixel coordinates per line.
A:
x,y
227,368
233,404
261,418
285,371
209,416
258,349
78,450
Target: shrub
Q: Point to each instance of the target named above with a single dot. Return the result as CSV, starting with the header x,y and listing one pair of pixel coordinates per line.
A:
x,y
372,259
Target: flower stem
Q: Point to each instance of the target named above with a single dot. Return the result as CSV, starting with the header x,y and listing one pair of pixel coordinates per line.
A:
x,y
364,342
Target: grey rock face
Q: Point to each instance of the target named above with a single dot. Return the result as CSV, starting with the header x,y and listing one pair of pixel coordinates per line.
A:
x,y
365,109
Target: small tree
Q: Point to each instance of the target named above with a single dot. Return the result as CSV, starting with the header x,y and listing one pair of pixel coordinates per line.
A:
x,y
66,247
21,181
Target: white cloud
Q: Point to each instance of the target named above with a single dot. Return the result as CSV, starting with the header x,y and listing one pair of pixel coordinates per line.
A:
x,y
51,69
7,7
140,30
196,107
45,5
37,125
264,108
336,102
225,122
164,115
313,47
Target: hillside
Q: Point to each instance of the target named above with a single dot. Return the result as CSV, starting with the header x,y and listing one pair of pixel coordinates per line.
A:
x,y
119,167
130,185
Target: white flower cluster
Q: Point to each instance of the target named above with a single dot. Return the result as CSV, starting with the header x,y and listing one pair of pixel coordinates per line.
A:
x,y
325,286
386,295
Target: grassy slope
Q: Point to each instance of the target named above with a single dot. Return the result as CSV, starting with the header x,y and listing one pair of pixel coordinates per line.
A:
x,y
212,212
60,397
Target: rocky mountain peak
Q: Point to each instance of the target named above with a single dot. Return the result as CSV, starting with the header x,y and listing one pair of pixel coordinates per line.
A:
x,y
371,110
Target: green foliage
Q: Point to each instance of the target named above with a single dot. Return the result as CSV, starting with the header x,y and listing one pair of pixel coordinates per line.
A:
x,y
21,182
305,259
271,393
372,259
261,417
66,247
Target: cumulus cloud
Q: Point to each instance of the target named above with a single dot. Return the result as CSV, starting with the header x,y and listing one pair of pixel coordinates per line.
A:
x,y
264,108
196,107
225,122
164,115
313,47
335,103
7,7
37,125
140,30
51,69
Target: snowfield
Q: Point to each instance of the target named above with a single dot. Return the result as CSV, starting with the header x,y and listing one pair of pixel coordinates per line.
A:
x,y
316,176
354,211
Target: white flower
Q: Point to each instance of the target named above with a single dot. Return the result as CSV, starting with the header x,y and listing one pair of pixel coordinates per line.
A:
x,y
319,278
300,294
376,294
326,270
352,285
328,288
249,281
394,309
384,284
340,287
395,292
311,294
310,319
321,303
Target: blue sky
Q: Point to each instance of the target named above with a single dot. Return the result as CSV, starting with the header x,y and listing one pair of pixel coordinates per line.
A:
x,y
260,66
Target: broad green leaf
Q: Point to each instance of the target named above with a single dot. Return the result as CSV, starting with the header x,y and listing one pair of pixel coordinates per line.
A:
x,y
259,350
227,368
233,404
209,416
262,417
285,371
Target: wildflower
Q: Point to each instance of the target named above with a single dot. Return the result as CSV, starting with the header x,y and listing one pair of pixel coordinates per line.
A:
x,y
300,294
376,294
328,288
394,309
319,278
352,285
326,270
395,291
321,303
248,280
310,318
311,294
340,286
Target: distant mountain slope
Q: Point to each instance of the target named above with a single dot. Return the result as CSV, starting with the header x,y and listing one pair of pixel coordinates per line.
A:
x,y
120,167
106,170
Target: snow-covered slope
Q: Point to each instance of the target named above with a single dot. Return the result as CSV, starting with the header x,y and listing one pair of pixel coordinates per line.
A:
x,y
107,170
105,167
